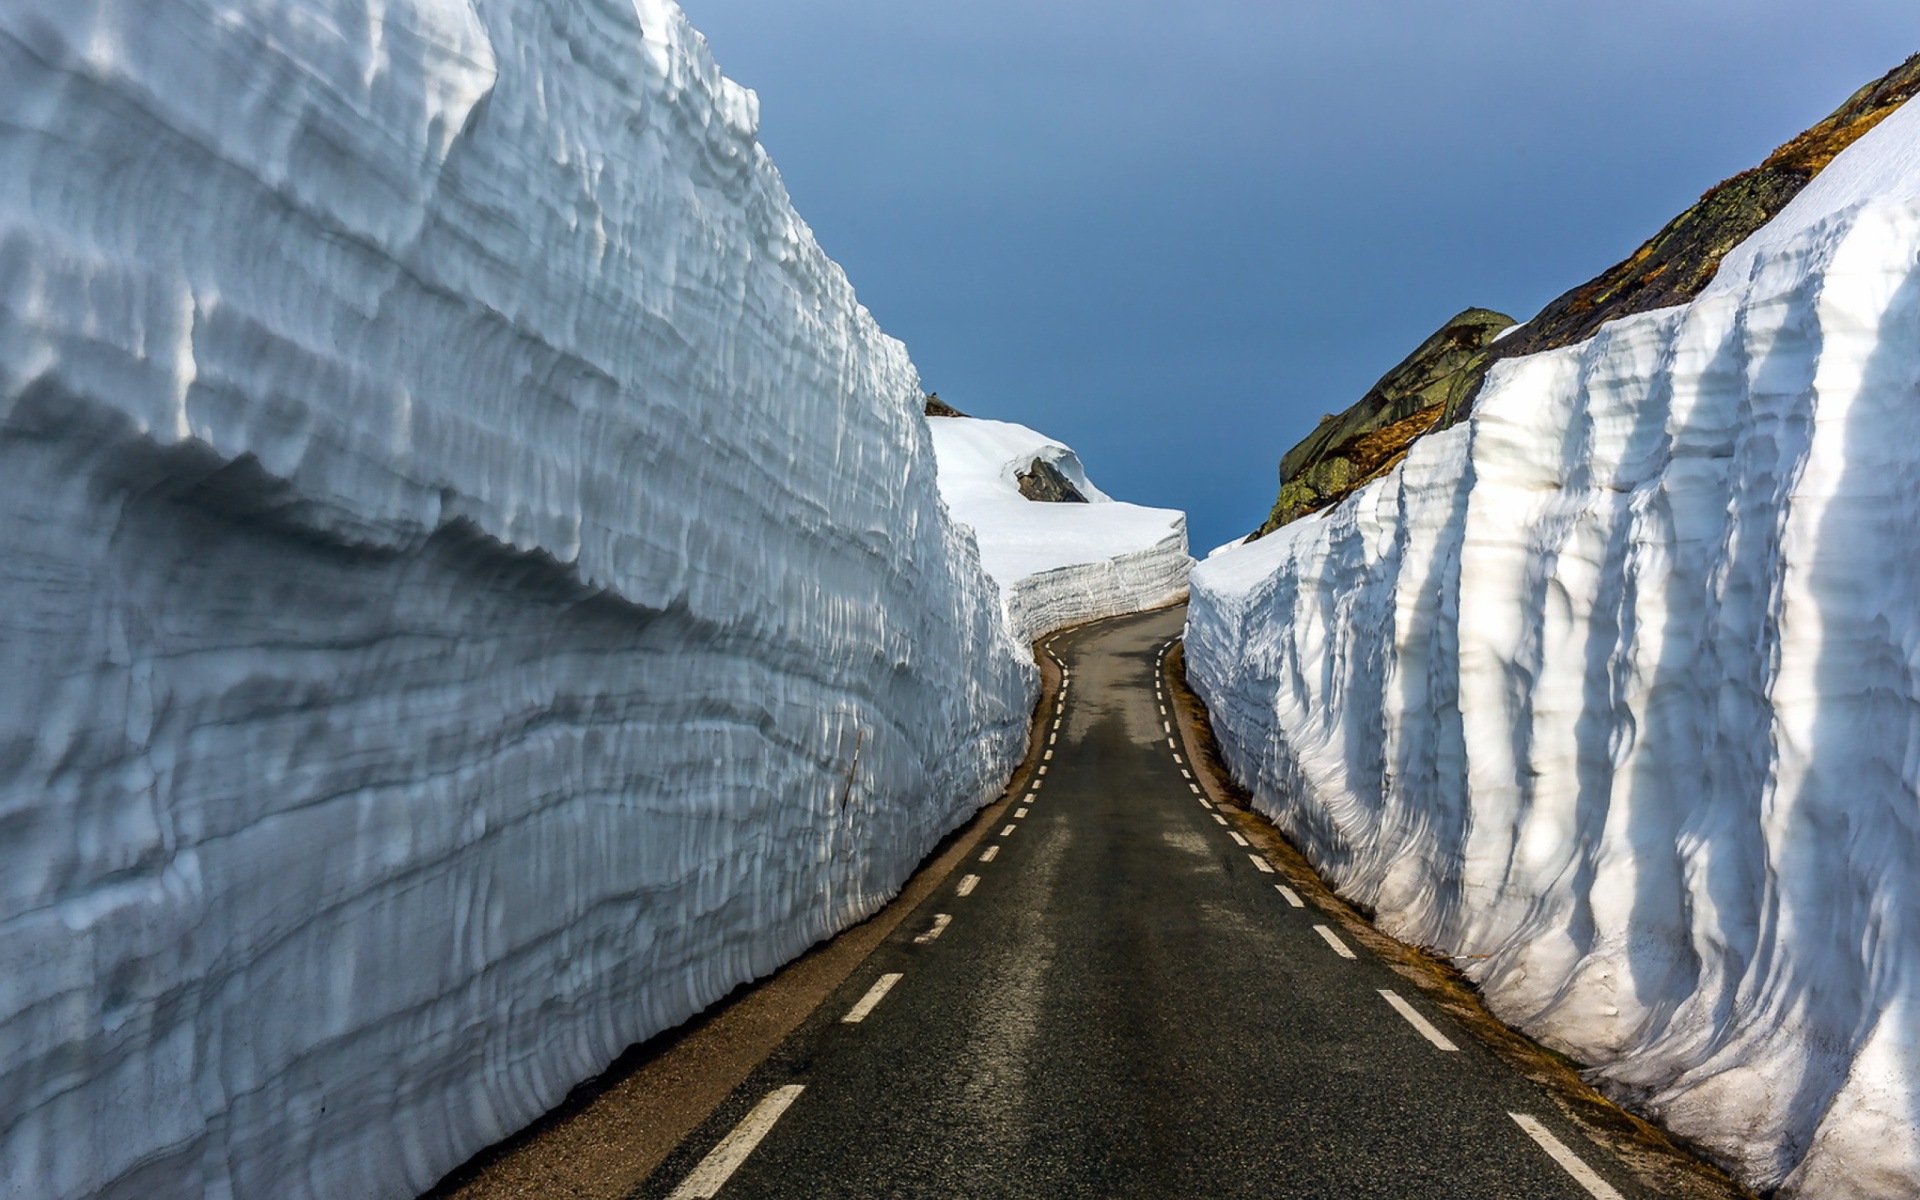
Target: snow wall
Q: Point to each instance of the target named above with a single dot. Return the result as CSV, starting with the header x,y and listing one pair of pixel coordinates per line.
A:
x,y
475,585
1056,564
1618,685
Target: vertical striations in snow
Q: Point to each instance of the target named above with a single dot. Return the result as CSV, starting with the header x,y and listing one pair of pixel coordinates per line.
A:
x,y
476,588
1615,689
1056,564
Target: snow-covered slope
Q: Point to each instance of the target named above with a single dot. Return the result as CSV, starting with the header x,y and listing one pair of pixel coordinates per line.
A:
x,y
1616,690
473,583
1056,564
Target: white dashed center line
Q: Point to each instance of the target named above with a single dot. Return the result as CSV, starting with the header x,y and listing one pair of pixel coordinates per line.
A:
x,y
1332,939
1049,754
1237,839
1582,1174
1018,813
1186,774
1292,897
1195,787
1053,737
1414,1019
940,923
723,1160
1266,868
967,885
1219,818
1043,767
987,855
874,996
1009,829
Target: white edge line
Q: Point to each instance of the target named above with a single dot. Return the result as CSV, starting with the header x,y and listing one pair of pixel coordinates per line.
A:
x,y
1266,868
1570,1162
1290,896
967,885
1339,947
875,995
1419,1022
723,1160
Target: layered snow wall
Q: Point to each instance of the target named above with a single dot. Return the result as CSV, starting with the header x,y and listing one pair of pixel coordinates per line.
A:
x,y
474,582
1056,564
1615,691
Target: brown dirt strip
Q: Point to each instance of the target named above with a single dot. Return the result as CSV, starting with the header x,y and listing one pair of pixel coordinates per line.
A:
x,y
1654,1157
610,1132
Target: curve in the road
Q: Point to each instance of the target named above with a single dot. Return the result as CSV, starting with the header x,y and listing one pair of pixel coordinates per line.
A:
x,y
1117,997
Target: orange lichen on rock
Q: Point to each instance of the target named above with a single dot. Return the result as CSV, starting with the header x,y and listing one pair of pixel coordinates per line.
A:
x,y
1672,267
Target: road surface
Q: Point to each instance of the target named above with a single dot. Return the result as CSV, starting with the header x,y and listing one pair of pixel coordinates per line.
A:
x,y
1114,997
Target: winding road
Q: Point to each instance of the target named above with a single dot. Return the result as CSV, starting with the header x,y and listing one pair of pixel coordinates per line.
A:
x,y
1114,995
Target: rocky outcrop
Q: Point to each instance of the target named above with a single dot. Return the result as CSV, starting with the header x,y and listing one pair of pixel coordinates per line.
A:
x,y
1043,482
1055,564
1365,441
1612,692
1671,268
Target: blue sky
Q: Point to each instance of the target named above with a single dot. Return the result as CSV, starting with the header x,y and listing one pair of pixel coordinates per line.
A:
x,y
1174,234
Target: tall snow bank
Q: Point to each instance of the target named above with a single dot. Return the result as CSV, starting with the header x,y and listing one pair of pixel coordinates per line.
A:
x,y
1615,690
475,585
1056,564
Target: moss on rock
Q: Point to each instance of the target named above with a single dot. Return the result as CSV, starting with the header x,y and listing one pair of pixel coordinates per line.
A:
x,y
1437,384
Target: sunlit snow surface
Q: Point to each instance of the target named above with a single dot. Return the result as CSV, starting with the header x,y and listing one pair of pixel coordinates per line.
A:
x,y
1615,690
1056,564
475,584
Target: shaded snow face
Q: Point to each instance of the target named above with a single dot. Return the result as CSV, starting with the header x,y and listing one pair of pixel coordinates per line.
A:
x,y
1618,686
1056,564
461,536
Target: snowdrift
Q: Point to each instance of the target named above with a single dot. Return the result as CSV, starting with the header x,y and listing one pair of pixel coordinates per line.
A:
x,y
1615,689
1056,564
475,583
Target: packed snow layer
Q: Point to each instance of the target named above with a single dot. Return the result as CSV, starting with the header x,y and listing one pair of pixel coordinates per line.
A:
x,y
1056,564
1615,691
475,583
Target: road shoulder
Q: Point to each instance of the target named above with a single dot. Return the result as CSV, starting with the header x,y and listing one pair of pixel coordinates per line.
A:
x,y
612,1131
1649,1153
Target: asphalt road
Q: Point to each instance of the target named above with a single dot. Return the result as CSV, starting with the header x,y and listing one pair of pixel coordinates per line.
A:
x,y
1120,1001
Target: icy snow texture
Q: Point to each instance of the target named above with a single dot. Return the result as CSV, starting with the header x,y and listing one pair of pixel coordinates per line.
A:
x,y
1056,564
1619,685
475,583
